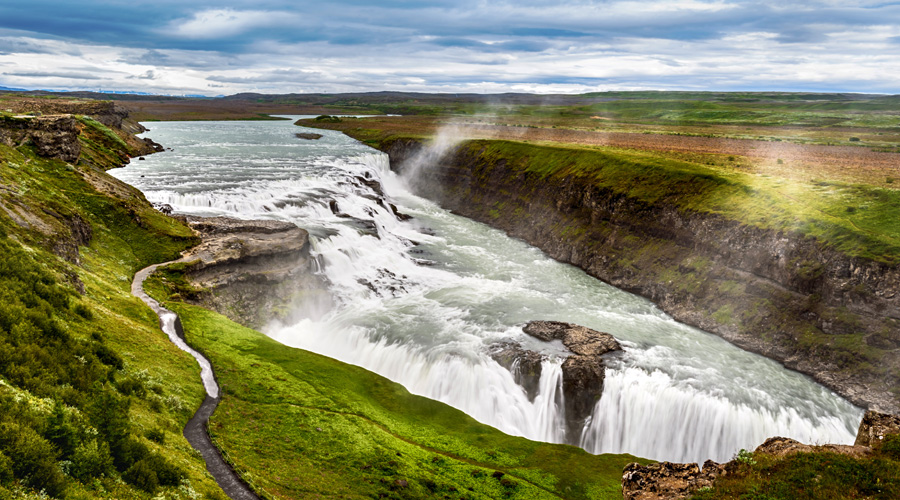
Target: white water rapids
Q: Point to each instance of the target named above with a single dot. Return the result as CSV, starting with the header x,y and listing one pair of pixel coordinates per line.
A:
x,y
420,301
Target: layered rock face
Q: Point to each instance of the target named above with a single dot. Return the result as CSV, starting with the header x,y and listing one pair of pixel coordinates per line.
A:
x,y
762,290
52,127
875,426
104,112
254,271
52,136
583,371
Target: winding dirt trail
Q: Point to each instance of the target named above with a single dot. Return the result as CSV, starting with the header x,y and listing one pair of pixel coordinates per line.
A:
x,y
195,430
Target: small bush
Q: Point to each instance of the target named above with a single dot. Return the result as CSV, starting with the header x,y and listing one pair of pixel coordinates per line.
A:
x,y
83,311
128,451
35,459
328,119
91,460
108,357
745,457
508,483
854,139
6,471
156,435
166,473
890,446
132,387
141,475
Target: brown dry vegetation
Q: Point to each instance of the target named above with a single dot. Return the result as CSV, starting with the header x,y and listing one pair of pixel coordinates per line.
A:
x,y
807,162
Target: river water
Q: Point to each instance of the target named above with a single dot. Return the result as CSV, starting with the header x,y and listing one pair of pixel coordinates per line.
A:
x,y
421,301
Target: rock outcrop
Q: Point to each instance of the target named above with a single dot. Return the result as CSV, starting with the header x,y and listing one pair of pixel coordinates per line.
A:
x,y
667,480
52,136
254,271
524,365
875,426
583,371
671,481
53,127
779,294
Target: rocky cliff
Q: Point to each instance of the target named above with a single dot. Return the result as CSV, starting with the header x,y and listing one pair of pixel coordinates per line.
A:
x,y
67,137
786,296
59,128
253,271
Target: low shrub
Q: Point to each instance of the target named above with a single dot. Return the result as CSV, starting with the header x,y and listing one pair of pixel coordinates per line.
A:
x,y
91,460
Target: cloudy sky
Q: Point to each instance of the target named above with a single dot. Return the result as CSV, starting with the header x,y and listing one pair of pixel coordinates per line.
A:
x,y
279,46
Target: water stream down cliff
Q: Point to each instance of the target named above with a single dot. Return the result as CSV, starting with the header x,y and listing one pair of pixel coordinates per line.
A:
x,y
421,301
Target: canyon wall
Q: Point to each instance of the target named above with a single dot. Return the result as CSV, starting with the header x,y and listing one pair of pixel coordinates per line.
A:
x,y
785,296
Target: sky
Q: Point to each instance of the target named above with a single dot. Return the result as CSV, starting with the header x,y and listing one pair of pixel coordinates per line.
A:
x,y
201,47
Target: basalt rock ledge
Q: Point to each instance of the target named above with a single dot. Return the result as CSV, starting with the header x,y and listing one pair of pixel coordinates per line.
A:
x,y
253,271
583,371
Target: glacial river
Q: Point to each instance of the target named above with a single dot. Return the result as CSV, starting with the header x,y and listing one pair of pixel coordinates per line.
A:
x,y
421,301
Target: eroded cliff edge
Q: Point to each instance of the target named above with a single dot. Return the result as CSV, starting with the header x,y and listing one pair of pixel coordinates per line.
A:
x,y
251,271
780,294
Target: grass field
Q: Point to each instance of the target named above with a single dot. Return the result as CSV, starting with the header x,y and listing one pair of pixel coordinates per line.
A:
x,y
302,425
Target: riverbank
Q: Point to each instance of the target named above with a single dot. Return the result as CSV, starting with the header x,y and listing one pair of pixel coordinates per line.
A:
x,y
804,273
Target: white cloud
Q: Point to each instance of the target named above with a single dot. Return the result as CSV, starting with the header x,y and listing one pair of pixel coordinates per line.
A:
x,y
224,23
603,46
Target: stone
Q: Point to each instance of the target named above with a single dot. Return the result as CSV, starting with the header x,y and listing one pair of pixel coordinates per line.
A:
x,y
583,372
875,426
578,339
255,271
667,480
524,365
781,446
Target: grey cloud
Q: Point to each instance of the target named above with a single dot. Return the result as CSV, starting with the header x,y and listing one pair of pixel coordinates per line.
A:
x,y
61,74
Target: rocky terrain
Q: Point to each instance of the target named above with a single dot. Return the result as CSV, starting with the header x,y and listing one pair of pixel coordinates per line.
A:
x,y
57,128
673,481
252,271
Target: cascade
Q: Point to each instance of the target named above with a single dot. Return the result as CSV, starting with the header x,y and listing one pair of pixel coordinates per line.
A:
x,y
421,302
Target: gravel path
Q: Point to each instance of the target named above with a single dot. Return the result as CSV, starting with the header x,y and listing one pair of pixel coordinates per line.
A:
x,y
195,430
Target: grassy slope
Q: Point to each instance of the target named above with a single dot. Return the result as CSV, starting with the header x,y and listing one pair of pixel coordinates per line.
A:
x,y
812,476
159,381
302,425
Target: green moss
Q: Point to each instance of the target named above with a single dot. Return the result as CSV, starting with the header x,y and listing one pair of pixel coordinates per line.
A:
x,y
724,315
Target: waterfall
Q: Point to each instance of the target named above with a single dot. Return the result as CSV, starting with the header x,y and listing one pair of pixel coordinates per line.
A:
x,y
422,302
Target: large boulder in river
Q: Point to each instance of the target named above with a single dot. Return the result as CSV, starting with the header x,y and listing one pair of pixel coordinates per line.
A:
x,y
524,365
578,339
584,371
